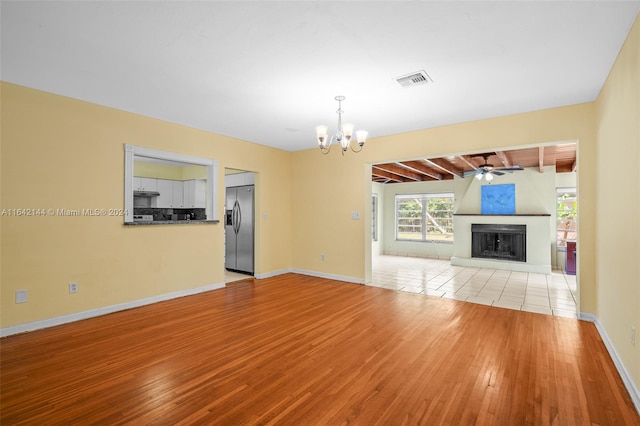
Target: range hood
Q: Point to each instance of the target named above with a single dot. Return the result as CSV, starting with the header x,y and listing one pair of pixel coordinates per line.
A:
x,y
145,193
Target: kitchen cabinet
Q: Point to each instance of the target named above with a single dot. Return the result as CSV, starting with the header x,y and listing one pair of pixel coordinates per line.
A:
x,y
145,184
178,194
194,193
175,193
200,199
165,188
239,179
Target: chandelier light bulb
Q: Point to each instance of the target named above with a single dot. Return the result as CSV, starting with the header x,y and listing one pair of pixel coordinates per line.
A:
x,y
361,136
344,142
488,177
321,135
347,130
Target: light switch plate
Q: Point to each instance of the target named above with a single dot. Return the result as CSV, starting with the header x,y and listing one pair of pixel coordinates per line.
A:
x,y
21,296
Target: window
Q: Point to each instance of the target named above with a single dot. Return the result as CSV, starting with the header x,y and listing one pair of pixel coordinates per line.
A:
x,y
566,212
424,217
374,217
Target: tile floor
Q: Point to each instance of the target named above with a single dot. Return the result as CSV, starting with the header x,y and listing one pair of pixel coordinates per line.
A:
x,y
553,294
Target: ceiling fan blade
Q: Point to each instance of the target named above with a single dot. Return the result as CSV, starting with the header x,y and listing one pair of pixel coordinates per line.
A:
x,y
471,173
509,169
497,172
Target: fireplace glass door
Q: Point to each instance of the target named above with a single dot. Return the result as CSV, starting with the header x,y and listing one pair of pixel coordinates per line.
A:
x,y
499,242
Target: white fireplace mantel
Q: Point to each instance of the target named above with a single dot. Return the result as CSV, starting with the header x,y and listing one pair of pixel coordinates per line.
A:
x,y
538,242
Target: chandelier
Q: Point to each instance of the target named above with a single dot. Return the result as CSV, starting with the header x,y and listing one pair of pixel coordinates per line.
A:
x,y
343,134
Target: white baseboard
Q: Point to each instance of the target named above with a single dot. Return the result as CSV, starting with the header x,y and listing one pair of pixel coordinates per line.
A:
x,y
310,273
624,374
328,276
272,273
51,322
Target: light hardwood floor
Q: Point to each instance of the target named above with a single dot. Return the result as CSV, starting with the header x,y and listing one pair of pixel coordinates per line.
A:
x,y
300,350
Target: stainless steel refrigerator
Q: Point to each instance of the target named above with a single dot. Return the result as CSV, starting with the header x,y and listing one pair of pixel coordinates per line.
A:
x,y
239,229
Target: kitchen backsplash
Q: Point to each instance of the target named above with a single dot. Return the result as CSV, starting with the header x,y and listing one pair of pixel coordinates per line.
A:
x,y
160,214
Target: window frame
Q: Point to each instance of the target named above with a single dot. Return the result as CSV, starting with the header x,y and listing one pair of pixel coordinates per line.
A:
x,y
559,192
426,216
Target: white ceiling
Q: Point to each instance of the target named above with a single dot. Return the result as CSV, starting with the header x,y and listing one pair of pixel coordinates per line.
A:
x,y
267,72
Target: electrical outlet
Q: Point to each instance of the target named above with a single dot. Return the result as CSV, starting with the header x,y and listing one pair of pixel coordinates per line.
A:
x,y
355,215
73,287
322,257
633,336
21,296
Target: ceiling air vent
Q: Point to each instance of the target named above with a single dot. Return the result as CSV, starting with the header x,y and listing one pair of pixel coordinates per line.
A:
x,y
414,79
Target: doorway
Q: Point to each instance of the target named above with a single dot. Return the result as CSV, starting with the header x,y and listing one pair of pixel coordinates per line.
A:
x,y
239,221
553,164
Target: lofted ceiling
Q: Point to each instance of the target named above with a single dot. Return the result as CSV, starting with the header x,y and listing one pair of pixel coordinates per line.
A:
x,y
562,156
267,72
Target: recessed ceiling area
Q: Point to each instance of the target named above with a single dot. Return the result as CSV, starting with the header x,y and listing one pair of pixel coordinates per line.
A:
x,y
562,156
268,72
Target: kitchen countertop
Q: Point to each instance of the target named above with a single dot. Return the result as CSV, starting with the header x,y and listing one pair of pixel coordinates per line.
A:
x,y
171,222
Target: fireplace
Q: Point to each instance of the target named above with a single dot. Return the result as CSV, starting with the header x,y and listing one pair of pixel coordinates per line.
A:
x,y
499,241
534,246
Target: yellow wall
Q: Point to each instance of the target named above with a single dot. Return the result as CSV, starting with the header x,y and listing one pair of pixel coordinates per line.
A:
x,y
618,207
60,153
164,171
194,172
160,171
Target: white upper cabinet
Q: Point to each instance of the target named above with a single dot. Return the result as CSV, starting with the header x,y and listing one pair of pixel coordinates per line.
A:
x,y
175,193
239,179
178,194
165,188
194,193
145,184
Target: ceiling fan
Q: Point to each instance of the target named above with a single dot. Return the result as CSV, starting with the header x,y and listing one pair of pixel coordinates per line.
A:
x,y
488,171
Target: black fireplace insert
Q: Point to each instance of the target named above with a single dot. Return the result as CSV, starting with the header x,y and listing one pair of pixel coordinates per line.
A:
x,y
500,242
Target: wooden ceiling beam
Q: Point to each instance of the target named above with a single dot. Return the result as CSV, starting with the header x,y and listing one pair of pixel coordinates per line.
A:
x,y
466,159
541,159
420,167
386,175
400,171
503,158
443,165
377,179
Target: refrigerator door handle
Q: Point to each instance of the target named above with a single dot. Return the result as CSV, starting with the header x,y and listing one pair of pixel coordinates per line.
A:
x,y
236,217
239,217
233,217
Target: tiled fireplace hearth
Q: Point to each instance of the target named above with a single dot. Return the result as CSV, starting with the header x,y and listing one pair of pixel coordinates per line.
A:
x,y
512,242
